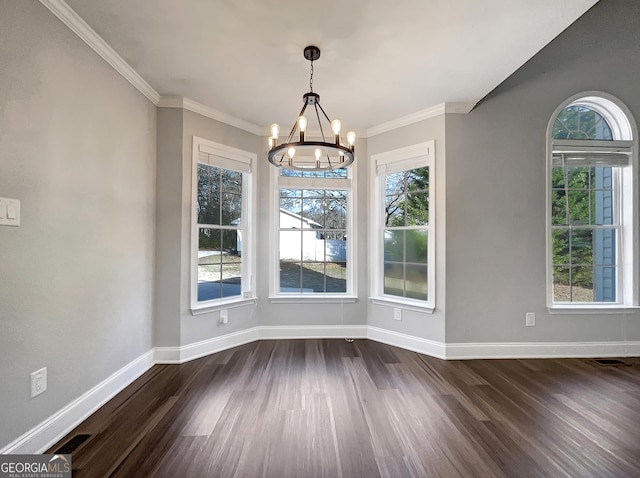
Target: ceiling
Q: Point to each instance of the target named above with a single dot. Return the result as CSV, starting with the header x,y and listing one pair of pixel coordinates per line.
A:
x,y
380,60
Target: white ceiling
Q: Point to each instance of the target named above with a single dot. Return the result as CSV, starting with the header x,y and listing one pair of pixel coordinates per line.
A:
x,y
381,60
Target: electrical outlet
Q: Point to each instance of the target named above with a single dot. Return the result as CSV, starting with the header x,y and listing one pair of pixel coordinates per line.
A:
x,y
224,316
38,382
530,319
397,313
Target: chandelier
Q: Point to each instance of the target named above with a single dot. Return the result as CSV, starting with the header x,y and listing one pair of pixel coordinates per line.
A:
x,y
312,154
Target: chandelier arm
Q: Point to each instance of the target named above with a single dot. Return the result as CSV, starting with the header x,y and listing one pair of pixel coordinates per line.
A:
x,y
320,122
325,114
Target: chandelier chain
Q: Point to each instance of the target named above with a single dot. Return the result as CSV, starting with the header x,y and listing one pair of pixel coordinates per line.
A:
x,y
311,78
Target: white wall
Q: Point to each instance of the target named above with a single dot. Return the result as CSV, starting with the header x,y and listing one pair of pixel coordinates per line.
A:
x,y
77,147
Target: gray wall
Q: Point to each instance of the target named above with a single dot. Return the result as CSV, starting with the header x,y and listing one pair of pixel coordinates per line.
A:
x,y
418,324
496,185
77,147
201,327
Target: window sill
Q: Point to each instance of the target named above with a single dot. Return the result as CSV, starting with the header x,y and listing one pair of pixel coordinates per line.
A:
x,y
311,299
592,309
228,304
406,304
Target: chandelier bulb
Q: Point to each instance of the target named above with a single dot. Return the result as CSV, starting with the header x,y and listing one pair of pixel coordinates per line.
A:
x,y
302,123
336,124
275,131
291,152
351,138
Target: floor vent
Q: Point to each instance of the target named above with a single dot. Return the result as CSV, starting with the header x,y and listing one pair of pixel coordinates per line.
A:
x,y
611,362
72,445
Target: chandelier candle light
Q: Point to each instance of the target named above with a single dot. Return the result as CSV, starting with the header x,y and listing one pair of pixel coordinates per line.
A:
x,y
305,155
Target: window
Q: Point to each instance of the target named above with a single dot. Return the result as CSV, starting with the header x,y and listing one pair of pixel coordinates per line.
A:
x,y
313,231
222,240
403,247
592,206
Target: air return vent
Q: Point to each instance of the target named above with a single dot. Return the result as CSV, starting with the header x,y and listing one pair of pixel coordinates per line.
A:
x,y
611,362
72,445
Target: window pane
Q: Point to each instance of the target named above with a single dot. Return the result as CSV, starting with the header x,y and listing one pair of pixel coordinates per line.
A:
x,y
558,207
313,211
290,276
394,246
416,246
560,247
337,276
416,283
605,284
394,183
209,280
231,181
312,245
208,198
335,246
291,245
313,277
557,178
582,284
561,281
582,247
231,209
579,205
578,177
230,246
417,209
418,179
394,279
581,122
394,211
336,214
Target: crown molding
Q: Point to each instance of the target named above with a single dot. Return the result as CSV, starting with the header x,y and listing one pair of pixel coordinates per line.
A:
x,y
432,112
204,110
78,26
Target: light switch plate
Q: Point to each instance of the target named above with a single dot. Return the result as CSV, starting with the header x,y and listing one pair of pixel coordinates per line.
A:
x,y
9,212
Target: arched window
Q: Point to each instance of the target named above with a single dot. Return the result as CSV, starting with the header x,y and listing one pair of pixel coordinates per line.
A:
x,y
592,251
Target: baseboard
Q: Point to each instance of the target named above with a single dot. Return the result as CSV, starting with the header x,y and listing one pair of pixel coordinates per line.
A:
x,y
408,342
523,350
278,332
47,433
169,355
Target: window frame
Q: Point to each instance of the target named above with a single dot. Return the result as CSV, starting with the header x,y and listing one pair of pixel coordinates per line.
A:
x,y
624,133
278,182
235,159
402,159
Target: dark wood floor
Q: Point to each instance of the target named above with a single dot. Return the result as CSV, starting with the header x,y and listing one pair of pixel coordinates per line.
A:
x,y
327,408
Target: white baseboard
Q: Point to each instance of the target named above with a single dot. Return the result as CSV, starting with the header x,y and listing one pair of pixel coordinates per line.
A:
x,y
542,350
47,433
168,355
408,342
277,332
43,436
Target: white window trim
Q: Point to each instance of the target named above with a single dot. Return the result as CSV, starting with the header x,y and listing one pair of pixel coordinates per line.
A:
x,y
348,184
625,136
410,157
245,162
